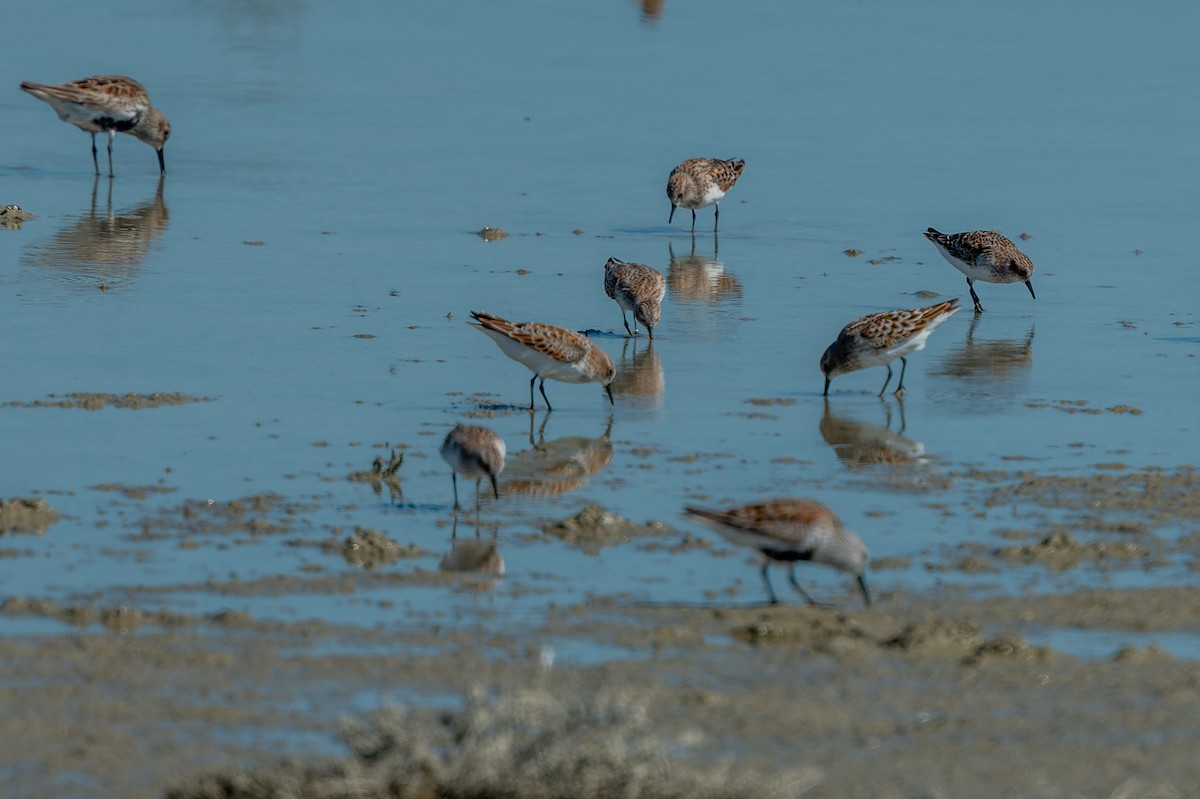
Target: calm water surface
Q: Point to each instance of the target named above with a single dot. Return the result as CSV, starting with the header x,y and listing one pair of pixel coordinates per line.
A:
x,y
329,163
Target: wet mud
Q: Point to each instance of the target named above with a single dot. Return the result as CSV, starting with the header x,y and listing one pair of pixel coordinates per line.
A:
x,y
93,401
917,697
944,692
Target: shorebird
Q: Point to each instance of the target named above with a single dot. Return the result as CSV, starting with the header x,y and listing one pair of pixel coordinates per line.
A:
x,y
701,182
984,255
551,353
880,338
109,104
474,452
636,288
789,530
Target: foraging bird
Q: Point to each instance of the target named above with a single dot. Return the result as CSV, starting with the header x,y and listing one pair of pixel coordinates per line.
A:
x,y
984,255
474,452
109,104
701,182
550,352
637,288
880,338
789,530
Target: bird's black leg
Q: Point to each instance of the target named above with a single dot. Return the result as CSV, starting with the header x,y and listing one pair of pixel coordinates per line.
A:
x,y
95,160
532,380
885,382
796,585
477,482
626,323
767,582
862,585
974,296
454,479
903,367
110,141
542,388
716,216
693,220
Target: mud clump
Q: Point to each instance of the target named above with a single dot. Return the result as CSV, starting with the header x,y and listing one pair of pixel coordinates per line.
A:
x,y
13,216
372,548
594,528
815,627
382,473
528,741
1007,647
1061,551
94,401
937,636
492,233
20,515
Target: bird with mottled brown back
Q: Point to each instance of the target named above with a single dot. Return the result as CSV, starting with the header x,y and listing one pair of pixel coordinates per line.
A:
x,y
790,530
701,182
878,339
636,288
109,104
984,255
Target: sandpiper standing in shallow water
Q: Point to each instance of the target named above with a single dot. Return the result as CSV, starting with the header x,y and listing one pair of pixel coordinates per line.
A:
x,y
109,104
984,255
788,530
701,182
474,452
551,353
880,338
637,288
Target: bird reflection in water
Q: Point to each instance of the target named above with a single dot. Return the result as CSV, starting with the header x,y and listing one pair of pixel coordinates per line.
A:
x,y
700,279
859,445
651,9
550,468
993,360
106,247
639,377
478,557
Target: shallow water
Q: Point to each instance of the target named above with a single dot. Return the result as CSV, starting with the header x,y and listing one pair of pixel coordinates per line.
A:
x,y
308,264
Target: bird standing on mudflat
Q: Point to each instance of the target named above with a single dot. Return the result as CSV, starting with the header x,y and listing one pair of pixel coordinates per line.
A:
x,y
878,339
636,288
789,530
109,104
701,182
984,255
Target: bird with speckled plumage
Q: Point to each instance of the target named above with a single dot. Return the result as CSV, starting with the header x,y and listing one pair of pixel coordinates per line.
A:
x,y
550,352
984,255
878,339
636,288
701,182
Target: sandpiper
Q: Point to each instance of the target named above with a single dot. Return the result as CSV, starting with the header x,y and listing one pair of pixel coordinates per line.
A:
x,y
109,104
701,182
984,255
550,352
636,288
474,452
788,530
880,338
